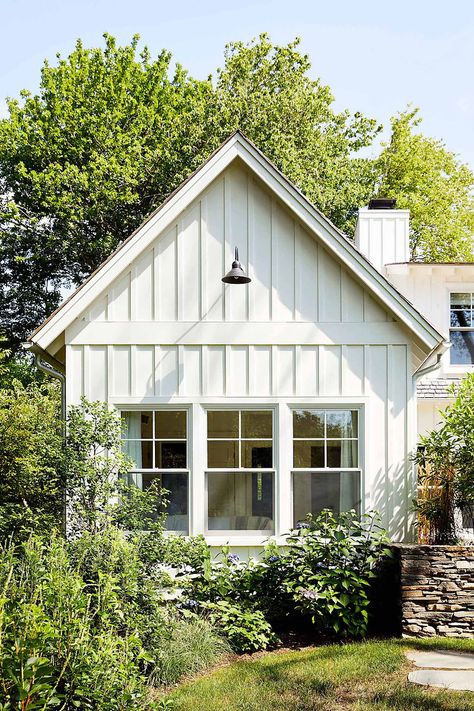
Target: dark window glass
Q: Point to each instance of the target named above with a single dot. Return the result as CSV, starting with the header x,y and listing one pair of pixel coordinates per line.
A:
x,y
170,455
257,454
341,423
307,455
223,455
461,300
170,425
141,453
308,423
223,424
256,424
240,501
462,347
461,319
315,491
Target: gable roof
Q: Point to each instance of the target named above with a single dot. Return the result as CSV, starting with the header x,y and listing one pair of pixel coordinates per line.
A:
x,y
236,146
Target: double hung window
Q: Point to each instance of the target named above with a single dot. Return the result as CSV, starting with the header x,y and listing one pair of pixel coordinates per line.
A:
x,y
461,331
156,441
326,470
240,474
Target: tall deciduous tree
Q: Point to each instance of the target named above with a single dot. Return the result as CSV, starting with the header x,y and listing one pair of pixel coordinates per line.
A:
x,y
435,186
112,131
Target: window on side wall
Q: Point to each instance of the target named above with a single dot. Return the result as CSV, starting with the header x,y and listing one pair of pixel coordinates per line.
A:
x,y
240,474
156,441
326,473
461,332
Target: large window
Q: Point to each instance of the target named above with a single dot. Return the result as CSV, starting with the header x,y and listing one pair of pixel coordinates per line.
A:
x,y
326,470
461,333
240,476
156,441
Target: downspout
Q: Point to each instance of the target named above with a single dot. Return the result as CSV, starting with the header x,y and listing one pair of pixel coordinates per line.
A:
x,y
46,368
429,368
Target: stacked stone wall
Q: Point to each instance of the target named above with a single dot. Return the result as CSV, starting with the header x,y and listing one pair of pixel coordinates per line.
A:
x,y
437,590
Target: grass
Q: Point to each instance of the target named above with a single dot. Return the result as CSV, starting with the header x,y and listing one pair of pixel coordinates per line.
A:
x,y
364,676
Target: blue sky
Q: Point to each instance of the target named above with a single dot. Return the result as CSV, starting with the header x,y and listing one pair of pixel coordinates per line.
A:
x,y
376,56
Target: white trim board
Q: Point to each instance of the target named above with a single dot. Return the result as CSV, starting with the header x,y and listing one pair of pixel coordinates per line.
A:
x,y
236,147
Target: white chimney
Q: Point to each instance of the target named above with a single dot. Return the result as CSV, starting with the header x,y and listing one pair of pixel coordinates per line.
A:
x,y
382,233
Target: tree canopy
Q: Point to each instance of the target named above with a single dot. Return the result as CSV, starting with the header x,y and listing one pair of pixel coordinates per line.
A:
x,y
435,186
112,131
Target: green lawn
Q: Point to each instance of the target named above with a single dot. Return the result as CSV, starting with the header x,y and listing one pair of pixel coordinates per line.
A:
x,y
360,676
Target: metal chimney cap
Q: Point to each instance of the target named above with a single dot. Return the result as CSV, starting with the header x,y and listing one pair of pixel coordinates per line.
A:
x,y
382,203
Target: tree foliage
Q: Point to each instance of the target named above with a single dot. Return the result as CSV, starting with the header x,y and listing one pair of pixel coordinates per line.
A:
x,y
438,190
112,131
446,459
32,471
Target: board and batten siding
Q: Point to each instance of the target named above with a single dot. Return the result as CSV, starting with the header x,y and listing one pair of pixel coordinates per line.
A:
x,y
304,331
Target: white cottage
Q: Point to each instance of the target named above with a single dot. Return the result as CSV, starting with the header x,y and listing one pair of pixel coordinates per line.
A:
x,y
253,404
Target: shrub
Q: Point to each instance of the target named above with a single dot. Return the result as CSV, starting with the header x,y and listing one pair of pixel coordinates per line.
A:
x,y
59,640
323,572
31,460
247,630
329,565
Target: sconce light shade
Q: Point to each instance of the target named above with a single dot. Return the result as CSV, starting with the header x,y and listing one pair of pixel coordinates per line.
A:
x,y
236,274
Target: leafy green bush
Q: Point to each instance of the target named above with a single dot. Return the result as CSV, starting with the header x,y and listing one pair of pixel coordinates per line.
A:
x,y
247,630
32,472
323,571
62,645
329,564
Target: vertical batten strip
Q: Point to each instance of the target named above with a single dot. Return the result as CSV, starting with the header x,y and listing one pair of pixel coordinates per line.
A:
x,y
133,374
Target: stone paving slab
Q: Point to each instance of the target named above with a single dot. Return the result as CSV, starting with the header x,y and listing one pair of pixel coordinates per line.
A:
x,y
460,680
441,659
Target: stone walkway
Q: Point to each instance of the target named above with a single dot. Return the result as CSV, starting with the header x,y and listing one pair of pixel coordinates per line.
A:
x,y
444,669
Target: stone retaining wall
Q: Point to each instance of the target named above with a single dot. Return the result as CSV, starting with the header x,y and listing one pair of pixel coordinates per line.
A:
x,y
437,590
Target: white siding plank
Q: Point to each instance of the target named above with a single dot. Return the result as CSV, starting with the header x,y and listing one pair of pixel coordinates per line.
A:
x,y
260,254
306,276
307,375
330,370
143,287
236,236
329,287
166,276
352,300
214,370
260,370
189,261
352,370
97,367
283,264
121,384
144,371
167,370
212,242
192,369
237,375
119,306
75,374
285,370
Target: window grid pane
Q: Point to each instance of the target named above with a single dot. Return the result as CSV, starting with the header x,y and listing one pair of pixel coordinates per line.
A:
x,y
461,333
305,448
246,456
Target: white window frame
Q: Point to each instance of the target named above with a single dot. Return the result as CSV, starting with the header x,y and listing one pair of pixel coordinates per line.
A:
x,y
461,288
248,407
158,407
360,469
